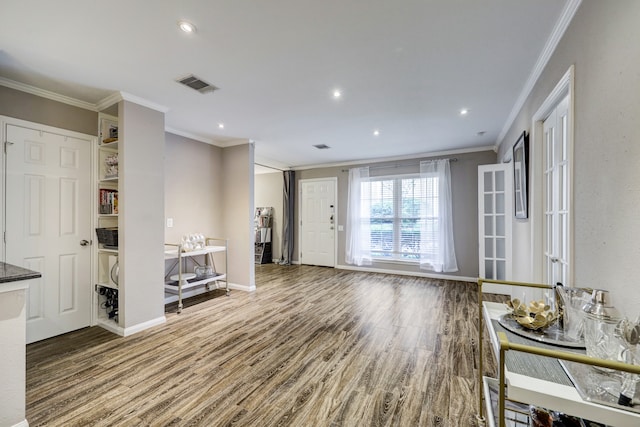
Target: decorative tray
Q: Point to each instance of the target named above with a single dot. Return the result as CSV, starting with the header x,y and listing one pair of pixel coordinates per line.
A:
x,y
553,334
597,385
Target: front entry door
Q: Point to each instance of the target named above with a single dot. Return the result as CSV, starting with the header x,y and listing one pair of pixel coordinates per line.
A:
x,y
557,226
48,225
318,222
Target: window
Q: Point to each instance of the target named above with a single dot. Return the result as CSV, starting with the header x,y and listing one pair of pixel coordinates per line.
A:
x,y
403,218
400,207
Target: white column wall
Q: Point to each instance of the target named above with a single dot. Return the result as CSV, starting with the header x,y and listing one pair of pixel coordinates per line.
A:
x,y
141,216
237,210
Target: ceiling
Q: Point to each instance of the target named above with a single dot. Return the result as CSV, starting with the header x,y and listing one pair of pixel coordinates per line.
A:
x,y
405,68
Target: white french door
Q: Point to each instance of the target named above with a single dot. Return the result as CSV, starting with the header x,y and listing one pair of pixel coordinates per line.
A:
x,y
47,224
495,205
556,176
318,220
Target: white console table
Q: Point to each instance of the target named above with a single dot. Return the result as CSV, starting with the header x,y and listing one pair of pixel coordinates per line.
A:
x,y
186,284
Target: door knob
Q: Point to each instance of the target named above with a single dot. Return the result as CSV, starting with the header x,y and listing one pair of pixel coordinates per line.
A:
x,y
554,259
84,242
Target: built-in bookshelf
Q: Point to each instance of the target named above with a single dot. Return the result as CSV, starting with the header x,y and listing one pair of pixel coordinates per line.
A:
x,y
107,253
128,217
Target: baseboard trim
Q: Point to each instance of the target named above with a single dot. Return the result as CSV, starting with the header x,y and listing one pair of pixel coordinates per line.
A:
x,y
408,273
110,326
245,288
23,423
144,325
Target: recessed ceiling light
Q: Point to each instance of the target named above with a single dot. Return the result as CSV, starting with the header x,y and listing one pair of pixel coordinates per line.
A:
x,y
464,112
376,132
220,125
187,27
337,93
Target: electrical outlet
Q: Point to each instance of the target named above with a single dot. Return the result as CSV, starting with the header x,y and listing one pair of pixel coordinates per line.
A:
x,y
169,222
341,228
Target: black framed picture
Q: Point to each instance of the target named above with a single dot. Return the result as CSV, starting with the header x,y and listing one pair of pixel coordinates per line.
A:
x,y
520,176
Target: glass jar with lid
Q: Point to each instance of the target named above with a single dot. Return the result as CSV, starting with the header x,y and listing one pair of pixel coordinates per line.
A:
x,y
601,319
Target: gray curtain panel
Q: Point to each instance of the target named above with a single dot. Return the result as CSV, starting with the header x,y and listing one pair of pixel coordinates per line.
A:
x,y
289,194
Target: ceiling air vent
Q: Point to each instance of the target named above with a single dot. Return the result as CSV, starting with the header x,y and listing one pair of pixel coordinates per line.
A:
x,y
197,83
322,146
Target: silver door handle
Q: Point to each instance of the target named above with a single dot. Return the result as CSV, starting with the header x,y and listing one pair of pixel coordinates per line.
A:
x,y
84,242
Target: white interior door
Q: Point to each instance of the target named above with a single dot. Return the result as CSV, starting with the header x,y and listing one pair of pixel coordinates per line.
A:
x,y
317,222
556,155
47,218
495,204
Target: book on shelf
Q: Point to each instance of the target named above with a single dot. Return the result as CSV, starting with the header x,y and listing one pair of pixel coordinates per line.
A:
x,y
108,201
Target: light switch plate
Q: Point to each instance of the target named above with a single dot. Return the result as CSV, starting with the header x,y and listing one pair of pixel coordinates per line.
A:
x,y
169,222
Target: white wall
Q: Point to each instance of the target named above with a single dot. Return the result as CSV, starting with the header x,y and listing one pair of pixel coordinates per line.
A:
x,y
237,213
210,190
193,188
464,194
141,216
606,180
268,192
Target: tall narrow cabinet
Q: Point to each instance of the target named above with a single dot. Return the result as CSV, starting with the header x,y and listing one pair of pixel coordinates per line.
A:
x,y
107,208
129,215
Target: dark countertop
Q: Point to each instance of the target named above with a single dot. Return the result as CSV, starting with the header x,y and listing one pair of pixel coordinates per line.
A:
x,y
13,273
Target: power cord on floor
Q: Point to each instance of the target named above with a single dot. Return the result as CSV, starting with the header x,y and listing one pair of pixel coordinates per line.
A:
x,y
110,303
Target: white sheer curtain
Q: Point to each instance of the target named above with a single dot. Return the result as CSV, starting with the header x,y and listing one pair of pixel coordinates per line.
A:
x,y
436,233
358,250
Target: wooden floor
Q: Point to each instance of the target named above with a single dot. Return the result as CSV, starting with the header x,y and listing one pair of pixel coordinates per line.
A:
x,y
312,346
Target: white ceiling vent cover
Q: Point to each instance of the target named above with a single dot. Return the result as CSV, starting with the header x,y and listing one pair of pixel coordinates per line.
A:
x,y
196,83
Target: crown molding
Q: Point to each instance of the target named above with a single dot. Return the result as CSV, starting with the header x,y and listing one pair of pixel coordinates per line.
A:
x,y
396,158
124,96
144,102
210,141
270,163
234,142
99,106
559,29
192,136
107,102
23,87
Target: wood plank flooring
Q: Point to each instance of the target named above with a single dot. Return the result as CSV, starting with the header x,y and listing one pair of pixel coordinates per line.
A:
x,y
312,346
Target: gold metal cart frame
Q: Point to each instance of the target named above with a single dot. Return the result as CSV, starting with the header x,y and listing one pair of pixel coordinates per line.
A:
x,y
505,345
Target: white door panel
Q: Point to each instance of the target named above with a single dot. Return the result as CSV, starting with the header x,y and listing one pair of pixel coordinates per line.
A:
x,y
556,191
48,213
36,298
317,224
495,210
